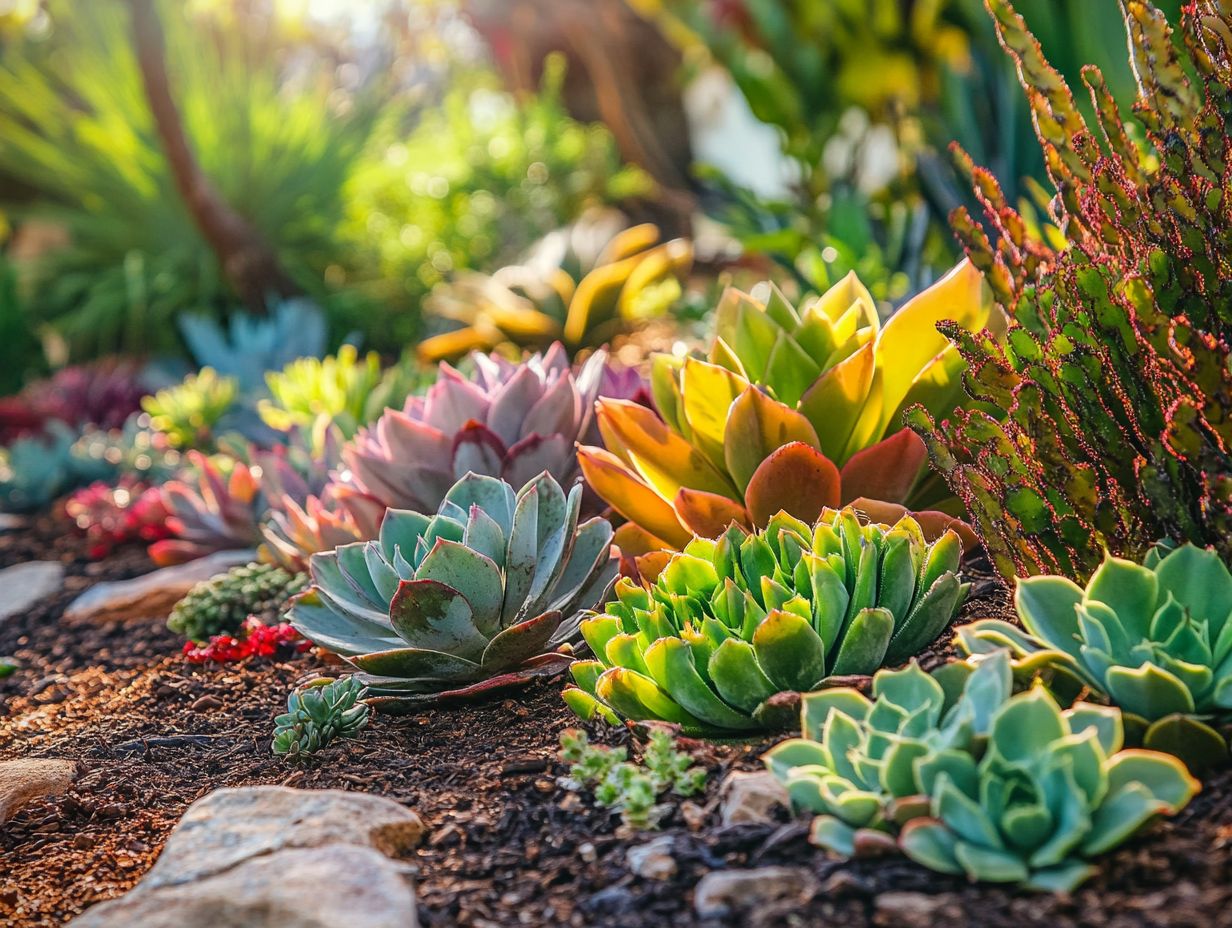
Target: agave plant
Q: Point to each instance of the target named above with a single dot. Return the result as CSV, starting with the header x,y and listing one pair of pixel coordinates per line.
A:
x,y
581,284
794,410
730,624
1154,639
508,420
484,594
974,781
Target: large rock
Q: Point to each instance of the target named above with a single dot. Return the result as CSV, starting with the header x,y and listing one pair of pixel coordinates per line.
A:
x,y
152,595
729,892
277,857
232,825
327,887
23,585
24,780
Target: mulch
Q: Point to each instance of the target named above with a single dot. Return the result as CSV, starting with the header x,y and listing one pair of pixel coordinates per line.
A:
x,y
508,845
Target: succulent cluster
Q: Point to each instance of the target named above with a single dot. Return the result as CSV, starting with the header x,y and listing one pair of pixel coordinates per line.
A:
x,y
110,515
729,624
1154,640
968,779
102,394
626,787
221,604
485,593
1101,420
581,284
798,410
318,714
507,420
351,392
38,468
193,412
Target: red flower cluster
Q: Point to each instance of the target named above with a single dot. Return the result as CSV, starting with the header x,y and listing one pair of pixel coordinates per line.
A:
x,y
113,515
257,640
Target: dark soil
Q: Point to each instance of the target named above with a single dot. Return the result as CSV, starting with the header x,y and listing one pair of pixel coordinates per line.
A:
x,y
507,845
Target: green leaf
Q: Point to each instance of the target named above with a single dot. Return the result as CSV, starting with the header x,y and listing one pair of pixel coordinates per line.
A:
x,y
794,752
1200,581
963,815
521,642
671,665
1048,609
637,697
929,843
1026,726
1163,776
1148,691
990,864
864,645
1121,815
472,575
833,834
816,707
1130,590
735,673
790,653
430,615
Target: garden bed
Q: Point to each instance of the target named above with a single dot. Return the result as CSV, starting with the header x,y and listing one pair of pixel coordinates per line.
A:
x,y
506,844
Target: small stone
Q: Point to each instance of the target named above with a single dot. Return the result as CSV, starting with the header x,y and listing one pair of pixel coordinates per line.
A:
x,y
693,814
751,796
206,703
909,910
24,780
25,584
320,887
722,892
588,853
152,595
653,860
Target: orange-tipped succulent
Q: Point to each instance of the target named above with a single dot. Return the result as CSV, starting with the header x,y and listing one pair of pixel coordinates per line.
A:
x,y
793,409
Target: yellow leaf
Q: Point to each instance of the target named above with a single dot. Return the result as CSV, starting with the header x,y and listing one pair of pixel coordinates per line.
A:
x,y
834,403
757,426
708,392
621,489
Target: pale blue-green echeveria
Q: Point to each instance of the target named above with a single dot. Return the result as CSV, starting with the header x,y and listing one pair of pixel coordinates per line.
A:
x,y
486,593
1154,639
997,787
731,624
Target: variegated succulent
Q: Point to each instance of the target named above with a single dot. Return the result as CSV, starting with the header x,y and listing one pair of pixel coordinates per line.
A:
x,y
1154,639
793,409
508,420
967,779
485,593
731,624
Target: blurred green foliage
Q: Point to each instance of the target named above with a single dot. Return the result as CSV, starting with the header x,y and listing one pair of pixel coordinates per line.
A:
x,y
476,181
928,71
367,192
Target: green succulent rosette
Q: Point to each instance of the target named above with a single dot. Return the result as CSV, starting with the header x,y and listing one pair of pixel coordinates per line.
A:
x,y
732,624
966,778
486,593
1154,639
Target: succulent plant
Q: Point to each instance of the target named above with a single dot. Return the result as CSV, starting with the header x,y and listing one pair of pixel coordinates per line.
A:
x,y
349,391
102,394
1154,639
113,514
251,345
193,413
485,593
1101,421
795,410
972,780
220,604
731,623
508,420
581,284
36,469
317,714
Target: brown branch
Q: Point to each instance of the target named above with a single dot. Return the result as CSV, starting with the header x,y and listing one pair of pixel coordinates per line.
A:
x,y
247,261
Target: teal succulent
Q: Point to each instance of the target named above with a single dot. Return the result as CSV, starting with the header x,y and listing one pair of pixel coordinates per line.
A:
x,y
486,593
730,624
37,469
968,779
317,714
1154,639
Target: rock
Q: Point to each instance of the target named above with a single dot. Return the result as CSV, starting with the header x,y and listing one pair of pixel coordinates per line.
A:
x,y
324,887
10,522
232,825
653,860
751,796
722,892
23,780
911,910
274,857
152,595
25,584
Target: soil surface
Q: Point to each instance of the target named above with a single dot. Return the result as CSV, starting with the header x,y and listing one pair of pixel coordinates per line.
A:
x,y
508,845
